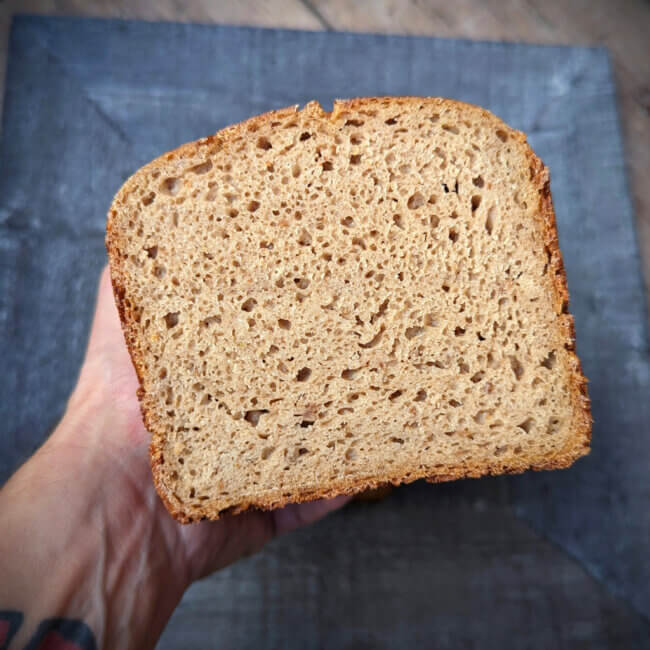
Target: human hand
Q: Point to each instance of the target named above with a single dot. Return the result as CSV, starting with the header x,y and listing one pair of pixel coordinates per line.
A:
x,y
108,379
88,490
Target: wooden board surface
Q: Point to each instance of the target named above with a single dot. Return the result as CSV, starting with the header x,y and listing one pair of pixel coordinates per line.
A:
x,y
623,27
467,564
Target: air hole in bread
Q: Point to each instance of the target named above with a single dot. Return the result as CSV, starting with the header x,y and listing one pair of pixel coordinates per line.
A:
x,y
553,426
527,425
253,417
304,238
249,304
201,168
549,361
517,367
170,186
412,332
489,221
415,201
480,417
303,374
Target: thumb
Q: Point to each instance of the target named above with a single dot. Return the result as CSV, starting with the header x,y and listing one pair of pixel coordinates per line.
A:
x,y
106,330
107,366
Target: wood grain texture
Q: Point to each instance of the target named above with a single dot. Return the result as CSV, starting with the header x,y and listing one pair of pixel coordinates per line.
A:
x,y
396,575
623,27
454,565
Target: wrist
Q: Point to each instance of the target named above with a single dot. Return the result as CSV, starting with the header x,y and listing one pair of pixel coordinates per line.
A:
x,y
86,540
145,572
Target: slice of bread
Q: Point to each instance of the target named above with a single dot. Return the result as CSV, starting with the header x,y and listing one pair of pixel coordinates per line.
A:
x,y
319,303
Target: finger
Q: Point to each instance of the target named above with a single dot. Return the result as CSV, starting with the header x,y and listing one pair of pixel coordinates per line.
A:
x,y
300,514
212,545
106,328
107,367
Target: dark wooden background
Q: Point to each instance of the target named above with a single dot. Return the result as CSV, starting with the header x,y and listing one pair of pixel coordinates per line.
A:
x,y
544,560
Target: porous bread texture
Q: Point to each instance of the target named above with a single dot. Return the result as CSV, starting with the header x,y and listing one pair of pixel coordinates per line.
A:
x,y
319,303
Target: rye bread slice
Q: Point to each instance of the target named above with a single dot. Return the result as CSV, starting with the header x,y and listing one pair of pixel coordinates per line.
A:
x,y
320,303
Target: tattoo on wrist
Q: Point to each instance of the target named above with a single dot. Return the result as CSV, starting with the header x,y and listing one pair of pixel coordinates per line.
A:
x,y
9,623
62,634
51,634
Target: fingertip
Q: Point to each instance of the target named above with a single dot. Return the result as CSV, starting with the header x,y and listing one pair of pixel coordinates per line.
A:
x,y
297,515
329,505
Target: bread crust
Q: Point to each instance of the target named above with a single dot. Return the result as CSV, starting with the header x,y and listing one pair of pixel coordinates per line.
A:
x,y
577,445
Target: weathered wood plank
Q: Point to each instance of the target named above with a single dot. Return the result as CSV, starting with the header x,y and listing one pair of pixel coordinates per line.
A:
x,y
449,566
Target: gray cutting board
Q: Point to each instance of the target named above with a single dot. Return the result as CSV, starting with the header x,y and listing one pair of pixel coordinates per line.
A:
x,y
553,560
